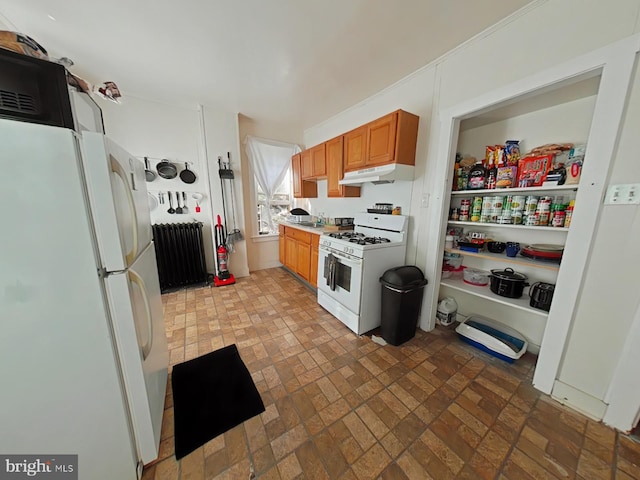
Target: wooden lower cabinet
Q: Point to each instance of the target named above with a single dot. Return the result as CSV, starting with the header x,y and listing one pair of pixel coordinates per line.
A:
x,y
304,257
281,244
313,274
290,256
300,252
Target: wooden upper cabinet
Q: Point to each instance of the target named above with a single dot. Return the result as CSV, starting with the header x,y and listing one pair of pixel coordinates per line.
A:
x,y
301,188
319,161
314,165
355,148
389,139
296,171
382,140
335,170
307,164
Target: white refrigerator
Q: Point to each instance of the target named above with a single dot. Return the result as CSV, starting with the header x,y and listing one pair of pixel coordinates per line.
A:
x,y
83,351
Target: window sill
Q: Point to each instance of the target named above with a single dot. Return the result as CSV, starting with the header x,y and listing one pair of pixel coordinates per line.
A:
x,y
273,237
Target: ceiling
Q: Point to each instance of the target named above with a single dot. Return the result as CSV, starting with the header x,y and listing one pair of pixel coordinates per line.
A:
x,y
294,62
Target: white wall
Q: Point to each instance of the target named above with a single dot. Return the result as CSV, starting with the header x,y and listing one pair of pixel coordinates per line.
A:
x,y
550,33
222,136
157,131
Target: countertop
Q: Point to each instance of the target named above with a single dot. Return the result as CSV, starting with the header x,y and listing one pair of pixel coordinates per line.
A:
x,y
314,230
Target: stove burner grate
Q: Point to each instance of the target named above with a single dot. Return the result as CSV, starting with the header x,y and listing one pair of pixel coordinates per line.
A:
x,y
369,240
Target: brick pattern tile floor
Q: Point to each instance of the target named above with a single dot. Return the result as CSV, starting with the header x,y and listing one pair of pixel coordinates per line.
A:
x,y
339,406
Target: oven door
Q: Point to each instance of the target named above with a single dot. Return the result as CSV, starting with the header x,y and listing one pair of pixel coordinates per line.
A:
x,y
340,277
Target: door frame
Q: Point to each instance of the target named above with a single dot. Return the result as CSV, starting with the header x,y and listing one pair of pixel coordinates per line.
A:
x,y
614,64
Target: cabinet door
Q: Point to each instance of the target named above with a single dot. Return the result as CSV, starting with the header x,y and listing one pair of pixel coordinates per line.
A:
x,y
319,161
281,243
290,253
303,255
296,167
334,166
313,275
381,140
301,188
307,164
355,148
313,262
335,170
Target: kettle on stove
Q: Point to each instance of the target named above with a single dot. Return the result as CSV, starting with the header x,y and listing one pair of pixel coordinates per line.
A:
x,y
541,295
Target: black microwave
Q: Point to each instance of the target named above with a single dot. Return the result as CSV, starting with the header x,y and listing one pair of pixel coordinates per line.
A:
x,y
35,90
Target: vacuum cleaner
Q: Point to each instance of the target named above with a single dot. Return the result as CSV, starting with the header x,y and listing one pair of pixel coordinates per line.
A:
x,y
223,276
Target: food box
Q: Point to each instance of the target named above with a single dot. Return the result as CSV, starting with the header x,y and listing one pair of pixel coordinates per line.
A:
x,y
492,337
574,164
506,177
532,171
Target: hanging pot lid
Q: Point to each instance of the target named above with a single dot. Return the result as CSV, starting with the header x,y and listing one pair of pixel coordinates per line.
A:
x,y
509,274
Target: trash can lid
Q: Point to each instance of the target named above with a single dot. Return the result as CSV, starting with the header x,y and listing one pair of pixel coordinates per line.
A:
x,y
404,276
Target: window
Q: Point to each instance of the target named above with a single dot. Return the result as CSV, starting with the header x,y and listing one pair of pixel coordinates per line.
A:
x,y
270,162
280,206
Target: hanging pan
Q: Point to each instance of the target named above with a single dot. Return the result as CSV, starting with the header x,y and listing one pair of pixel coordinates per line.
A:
x,y
186,175
149,174
166,169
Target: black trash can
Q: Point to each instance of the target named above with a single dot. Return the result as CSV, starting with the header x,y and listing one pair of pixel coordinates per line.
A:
x,y
402,289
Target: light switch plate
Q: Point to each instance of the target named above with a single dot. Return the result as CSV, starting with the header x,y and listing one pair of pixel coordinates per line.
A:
x,y
623,194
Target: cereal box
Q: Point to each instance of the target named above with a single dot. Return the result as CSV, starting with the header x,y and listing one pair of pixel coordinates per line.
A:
x,y
533,170
506,177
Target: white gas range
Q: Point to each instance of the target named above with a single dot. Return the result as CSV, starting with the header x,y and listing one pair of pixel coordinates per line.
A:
x,y
350,265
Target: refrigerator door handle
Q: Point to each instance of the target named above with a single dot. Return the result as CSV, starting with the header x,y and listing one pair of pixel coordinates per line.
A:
x,y
118,170
146,348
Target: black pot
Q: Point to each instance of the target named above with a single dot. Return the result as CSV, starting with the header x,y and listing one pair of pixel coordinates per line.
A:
x,y
508,283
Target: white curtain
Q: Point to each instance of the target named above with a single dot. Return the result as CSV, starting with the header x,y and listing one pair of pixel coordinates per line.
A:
x,y
269,161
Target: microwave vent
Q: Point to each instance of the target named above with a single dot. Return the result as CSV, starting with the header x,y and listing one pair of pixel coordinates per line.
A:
x,y
17,102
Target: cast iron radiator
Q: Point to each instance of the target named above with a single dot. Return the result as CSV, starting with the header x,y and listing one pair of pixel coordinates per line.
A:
x,y
180,254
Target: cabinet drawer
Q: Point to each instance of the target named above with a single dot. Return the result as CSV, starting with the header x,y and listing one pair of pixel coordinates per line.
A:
x,y
301,236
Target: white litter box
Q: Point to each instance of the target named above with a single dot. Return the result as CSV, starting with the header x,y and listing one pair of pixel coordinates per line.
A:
x,y
492,337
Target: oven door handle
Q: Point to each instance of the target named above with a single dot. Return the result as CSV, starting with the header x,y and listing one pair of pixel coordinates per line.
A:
x,y
333,263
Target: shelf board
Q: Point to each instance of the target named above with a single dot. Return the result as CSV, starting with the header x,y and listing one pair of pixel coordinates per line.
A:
x,y
518,227
509,191
502,257
521,303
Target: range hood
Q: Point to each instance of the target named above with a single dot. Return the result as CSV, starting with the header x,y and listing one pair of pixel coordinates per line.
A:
x,y
382,174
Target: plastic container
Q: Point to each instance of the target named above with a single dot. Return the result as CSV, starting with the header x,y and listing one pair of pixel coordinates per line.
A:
x,y
493,337
449,271
474,276
448,241
447,311
402,289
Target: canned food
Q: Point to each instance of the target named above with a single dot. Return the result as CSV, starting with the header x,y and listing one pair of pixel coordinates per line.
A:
x,y
518,202
532,219
531,203
517,217
558,218
543,218
506,205
476,209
